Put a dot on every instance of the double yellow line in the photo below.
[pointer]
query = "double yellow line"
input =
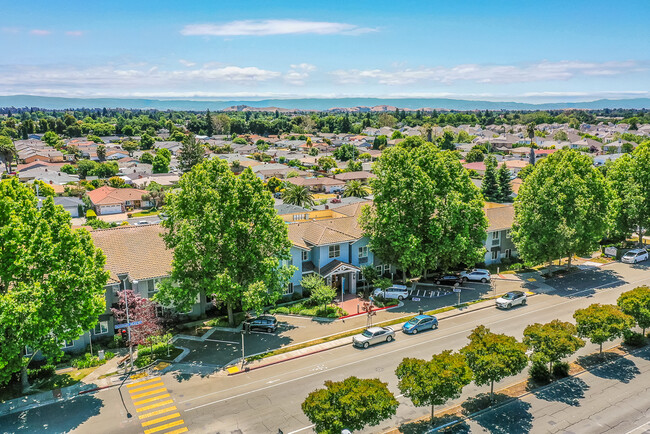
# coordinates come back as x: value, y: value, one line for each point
x: 153, y: 395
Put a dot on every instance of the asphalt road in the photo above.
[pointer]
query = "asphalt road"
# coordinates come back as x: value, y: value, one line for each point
x: 269, y: 399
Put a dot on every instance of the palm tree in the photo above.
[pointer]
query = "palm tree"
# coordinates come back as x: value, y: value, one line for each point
x: 298, y: 195
x: 355, y: 189
x: 7, y: 151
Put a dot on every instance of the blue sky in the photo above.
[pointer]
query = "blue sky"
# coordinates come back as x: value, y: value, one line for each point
x: 491, y: 50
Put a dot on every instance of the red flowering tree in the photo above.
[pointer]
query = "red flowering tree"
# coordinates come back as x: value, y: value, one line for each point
x: 140, y: 309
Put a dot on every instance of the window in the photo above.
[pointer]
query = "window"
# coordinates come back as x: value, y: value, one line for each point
x: 151, y: 287
x: 67, y: 344
x: 305, y: 256
x: 386, y: 268
x: 289, y: 289
x: 495, y: 235
x: 495, y: 254
x: 335, y: 251
x: 363, y: 252
x: 101, y: 327
x: 28, y: 351
x: 508, y: 235
x: 379, y: 268
x: 508, y: 253
x: 297, y: 217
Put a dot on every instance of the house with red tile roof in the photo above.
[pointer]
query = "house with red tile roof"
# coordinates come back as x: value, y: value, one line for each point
x: 109, y: 200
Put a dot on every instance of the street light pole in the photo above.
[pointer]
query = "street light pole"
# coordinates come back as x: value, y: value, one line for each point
x: 243, y: 359
x: 128, y: 327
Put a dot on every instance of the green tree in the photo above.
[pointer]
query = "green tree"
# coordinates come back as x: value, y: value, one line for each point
x: 52, y: 279
x: 130, y: 146
x: 490, y: 185
x: 636, y: 303
x: 116, y: 182
x: 322, y: 295
x: 561, y: 136
x: 43, y: 189
x: 146, y: 142
x: 346, y: 152
x: 629, y: 180
x: 551, y: 342
x: 427, y: 213
x: 355, y: 166
x: 101, y: 152
x: 52, y: 139
x: 433, y: 382
x: 69, y: 169
x: 355, y: 188
x: 313, y: 151
x: 380, y: 142
x: 474, y: 155
x: 161, y: 161
x: 191, y: 153
x: 274, y: 184
x: 298, y: 195
x: 349, y: 404
x: 7, y: 151
x: 446, y: 141
x: 493, y: 357
x: 561, y: 209
x: 601, y: 323
x: 146, y: 158
x: 86, y: 168
x: 227, y: 238
x: 386, y: 120
x: 127, y: 130
x: 397, y: 134
x: 327, y: 163
x: 503, y: 181
x: 527, y: 170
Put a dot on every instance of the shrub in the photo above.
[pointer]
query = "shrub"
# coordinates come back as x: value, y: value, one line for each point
x: 517, y: 266
x: 108, y: 355
x: 539, y: 373
x: 87, y: 361
x: 282, y: 310
x: 90, y: 214
x: 41, y: 372
x: 560, y: 370
x: 634, y: 339
x: 296, y: 296
x: 306, y: 312
x: 129, y: 215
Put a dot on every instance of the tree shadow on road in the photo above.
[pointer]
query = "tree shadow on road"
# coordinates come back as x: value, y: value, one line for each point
x: 584, y: 282
x: 569, y: 391
x: 426, y: 425
x: 620, y: 368
x: 511, y: 417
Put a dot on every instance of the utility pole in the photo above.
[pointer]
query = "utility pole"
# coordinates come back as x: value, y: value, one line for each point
x: 128, y: 327
x: 243, y: 359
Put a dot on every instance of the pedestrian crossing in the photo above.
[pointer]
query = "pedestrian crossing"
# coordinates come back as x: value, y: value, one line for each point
x: 155, y: 407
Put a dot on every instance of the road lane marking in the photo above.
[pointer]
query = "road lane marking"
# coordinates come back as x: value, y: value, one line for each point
x: 637, y: 428
x: 164, y: 427
x: 155, y: 398
x: 301, y: 429
x: 158, y: 404
x: 383, y: 354
x: 150, y: 386
x: 149, y: 393
x: 161, y: 419
x: 177, y: 431
x: 157, y: 412
x: 139, y: 383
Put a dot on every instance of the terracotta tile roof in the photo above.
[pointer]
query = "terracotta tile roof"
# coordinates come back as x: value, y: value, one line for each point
x: 137, y: 250
x: 108, y: 195
x: 500, y: 217
x: 315, y: 181
x: 346, y: 176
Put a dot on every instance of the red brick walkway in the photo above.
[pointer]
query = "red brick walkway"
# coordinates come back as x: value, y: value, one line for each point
x: 350, y: 303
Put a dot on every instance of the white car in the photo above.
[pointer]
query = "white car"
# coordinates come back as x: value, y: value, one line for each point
x: 476, y: 275
x: 506, y: 301
x: 396, y: 291
x: 634, y: 256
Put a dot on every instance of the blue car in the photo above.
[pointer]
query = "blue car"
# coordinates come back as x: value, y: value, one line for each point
x: 420, y: 323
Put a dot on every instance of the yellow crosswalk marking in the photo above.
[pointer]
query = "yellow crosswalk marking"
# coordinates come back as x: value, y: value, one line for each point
x: 150, y: 386
x: 157, y: 412
x: 177, y: 431
x: 149, y: 393
x: 158, y: 404
x: 161, y: 419
x: 163, y: 427
x: 143, y: 382
x: 155, y: 398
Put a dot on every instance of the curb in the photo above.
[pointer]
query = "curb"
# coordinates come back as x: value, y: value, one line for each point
x: 366, y: 313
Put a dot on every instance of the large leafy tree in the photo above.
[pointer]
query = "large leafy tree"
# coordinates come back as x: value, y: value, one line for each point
x: 346, y: 152
x: 601, y: 323
x: 636, y: 303
x: 427, y: 213
x: 493, y: 357
x: 561, y: 208
x: 552, y: 341
x: 7, y: 151
x: 191, y: 153
x: 503, y: 181
x: 433, y: 382
x: 161, y: 161
x: 227, y: 239
x: 298, y: 195
x: 629, y: 179
x: 349, y: 404
x: 51, y: 278
x: 490, y: 185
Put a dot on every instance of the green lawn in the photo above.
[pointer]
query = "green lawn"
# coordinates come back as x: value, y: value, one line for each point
x: 144, y: 213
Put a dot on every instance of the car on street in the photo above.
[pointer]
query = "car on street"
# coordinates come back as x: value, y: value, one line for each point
x: 449, y: 279
x: 635, y: 255
x: 420, y: 323
x: 373, y: 335
x: 476, y: 275
x: 267, y: 323
x: 141, y: 223
x: 513, y: 298
x: 399, y: 292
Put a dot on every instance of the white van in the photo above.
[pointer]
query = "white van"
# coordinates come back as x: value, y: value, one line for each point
x: 396, y: 291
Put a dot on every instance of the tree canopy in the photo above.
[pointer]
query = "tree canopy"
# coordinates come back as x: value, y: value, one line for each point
x: 636, y: 303
x: 601, y: 323
x: 298, y: 195
x: 191, y: 153
x: 227, y: 238
x: 552, y: 341
x: 427, y: 213
x: 490, y: 185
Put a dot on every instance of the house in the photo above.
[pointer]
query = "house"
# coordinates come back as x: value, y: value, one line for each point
x: 319, y: 185
x: 498, y: 244
x: 164, y: 179
x: 479, y: 166
x: 362, y: 176
x: 109, y: 200
x: 73, y: 205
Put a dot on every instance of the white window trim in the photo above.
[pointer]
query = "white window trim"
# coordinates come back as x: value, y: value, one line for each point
x: 306, y: 255
x: 495, y: 235
x: 495, y: 255
x: 65, y: 344
x: 336, y: 248
x: 103, y: 328
x: 364, y: 252
x: 508, y: 235
x: 289, y: 289
x: 507, y: 253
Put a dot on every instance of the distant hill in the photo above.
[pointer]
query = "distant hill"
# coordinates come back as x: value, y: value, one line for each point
x: 321, y: 104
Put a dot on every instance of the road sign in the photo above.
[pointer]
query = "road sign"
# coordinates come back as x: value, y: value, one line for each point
x: 457, y: 289
x: 415, y: 299
x: 134, y: 323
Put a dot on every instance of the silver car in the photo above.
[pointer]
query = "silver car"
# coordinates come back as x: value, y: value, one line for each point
x: 476, y: 275
x: 373, y: 335
x: 513, y: 298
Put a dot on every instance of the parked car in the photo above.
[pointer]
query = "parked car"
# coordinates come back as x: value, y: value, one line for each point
x: 373, y: 335
x: 476, y: 275
x: 635, y: 255
x: 141, y: 223
x: 506, y: 301
x: 449, y: 279
x: 399, y: 292
x: 267, y: 323
x: 420, y: 323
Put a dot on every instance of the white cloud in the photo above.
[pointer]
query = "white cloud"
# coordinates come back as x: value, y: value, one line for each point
x: 75, y: 33
x: 304, y: 67
x: 273, y: 27
x: 299, y: 73
x: 186, y: 63
x: 39, y: 32
x: 493, y: 74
